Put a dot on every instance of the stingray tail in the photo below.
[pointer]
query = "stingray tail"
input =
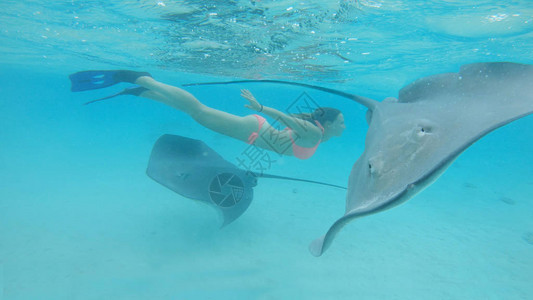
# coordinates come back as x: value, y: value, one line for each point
x: 299, y: 179
x: 369, y: 103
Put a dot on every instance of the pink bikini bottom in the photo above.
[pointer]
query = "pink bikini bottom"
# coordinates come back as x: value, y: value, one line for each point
x: 298, y: 151
x: 253, y: 136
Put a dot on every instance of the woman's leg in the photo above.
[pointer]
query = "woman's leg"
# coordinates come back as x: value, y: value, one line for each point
x: 216, y: 120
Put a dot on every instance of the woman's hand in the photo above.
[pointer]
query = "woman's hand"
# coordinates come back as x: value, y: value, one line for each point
x: 254, y: 104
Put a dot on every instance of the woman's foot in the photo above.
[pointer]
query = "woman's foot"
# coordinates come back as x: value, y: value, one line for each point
x: 129, y: 76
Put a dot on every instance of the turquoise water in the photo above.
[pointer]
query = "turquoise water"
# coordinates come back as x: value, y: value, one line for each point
x: 79, y: 219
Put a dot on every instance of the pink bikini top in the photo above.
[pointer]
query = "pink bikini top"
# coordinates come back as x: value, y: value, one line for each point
x: 303, y: 152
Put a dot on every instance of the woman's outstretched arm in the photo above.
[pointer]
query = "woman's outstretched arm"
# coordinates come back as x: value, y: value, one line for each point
x: 299, y: 126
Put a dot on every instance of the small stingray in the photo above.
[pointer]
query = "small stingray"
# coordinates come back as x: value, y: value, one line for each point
x: 192, y: 169
x: 412, y: 140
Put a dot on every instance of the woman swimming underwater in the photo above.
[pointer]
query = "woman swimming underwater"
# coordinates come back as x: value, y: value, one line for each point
x: 304, y: 131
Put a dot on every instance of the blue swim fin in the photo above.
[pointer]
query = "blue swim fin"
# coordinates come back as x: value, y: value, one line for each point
x: 97, y: 79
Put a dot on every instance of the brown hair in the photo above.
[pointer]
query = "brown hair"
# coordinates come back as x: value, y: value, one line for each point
x: 321, y: 114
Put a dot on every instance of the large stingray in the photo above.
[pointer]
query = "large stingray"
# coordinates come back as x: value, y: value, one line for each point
x: 412, y: 140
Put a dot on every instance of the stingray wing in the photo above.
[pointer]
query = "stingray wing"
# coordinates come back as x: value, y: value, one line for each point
x: 468, y: 105
x: 471, y: 79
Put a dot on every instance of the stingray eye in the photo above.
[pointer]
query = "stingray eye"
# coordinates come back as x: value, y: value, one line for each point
x: 424, y: 129
x: 375, y: 166
x: 371, y: 169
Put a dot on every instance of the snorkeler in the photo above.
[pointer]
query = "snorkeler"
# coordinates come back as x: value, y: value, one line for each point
x: 304, y: 131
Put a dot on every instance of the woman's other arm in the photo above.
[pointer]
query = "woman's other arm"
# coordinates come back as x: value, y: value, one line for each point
x: 301, y: 127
